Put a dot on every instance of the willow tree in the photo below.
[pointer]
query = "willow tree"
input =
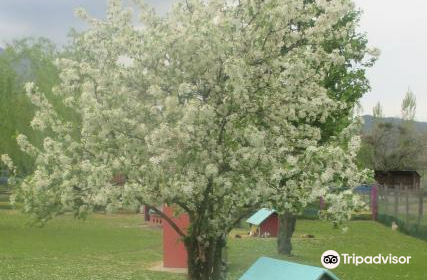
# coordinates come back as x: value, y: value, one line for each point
x: 203, y: 108
x: 28, y: 59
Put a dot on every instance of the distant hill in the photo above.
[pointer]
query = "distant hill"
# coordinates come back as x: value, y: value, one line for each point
x: 369, y: 122
x: 1, y: 50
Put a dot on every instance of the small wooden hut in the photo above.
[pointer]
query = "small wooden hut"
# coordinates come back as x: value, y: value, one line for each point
x: 264, y: 223
x: 174, y: 251
x: 271, y: 269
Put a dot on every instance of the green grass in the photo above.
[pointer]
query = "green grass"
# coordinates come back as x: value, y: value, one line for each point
x: 364, y: 238
x: 4, y: 199
x: 122, y: 247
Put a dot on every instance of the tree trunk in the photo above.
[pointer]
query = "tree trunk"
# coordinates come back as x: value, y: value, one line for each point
x: 286, y: 229
x: 205, y: 258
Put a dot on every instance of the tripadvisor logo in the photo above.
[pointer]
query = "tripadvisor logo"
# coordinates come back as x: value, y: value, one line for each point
x: 331, y: 259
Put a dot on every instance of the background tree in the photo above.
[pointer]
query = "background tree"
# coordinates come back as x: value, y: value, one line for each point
x: 409, y: 106
x: 210, y: 108
x: 22, y: 61
x: 394, y: 145
x: 345, y: 82
x: 423, y: 157
x: 332, y: 176
x: 366, y: 156
x: 377, y: 112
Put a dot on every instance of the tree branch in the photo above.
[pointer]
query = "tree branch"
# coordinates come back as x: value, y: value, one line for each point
x: 167, y: 219
x: 189, y: 6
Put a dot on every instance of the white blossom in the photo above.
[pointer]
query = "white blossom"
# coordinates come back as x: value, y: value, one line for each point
x: 8, y: 162
x: 217, y: 108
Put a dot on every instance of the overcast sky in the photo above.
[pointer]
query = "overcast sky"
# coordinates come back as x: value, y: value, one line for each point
x: 397, y: 27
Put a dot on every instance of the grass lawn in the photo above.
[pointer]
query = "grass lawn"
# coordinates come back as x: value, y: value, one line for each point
x: 122, y: 247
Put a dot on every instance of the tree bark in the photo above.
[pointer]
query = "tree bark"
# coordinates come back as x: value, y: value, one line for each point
x: 205, y: 258
x: 287, y: 224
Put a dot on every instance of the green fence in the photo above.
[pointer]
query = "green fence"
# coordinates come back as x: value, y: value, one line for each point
x: 406, y: 207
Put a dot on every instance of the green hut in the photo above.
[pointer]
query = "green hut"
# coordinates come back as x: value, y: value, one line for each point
x: 271, y: 269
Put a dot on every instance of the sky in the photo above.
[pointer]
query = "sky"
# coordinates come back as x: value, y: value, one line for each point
x: 396, y: 27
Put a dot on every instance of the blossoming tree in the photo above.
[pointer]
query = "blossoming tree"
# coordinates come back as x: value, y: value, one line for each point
x: 345, y: 82
x: 328, y: 171
x: 206, y: 108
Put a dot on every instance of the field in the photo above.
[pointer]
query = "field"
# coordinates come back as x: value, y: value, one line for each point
x: 123, y: 247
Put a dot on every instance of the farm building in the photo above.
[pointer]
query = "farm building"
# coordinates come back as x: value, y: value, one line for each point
x: 398, y: 179
x: 152, y: 217
x: 264, y: 223
x: 174, y: 252
x: 271, y: 269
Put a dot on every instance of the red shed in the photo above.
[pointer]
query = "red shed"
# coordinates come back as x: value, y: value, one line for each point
x: 174, y: 252
x: 264, y: 223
